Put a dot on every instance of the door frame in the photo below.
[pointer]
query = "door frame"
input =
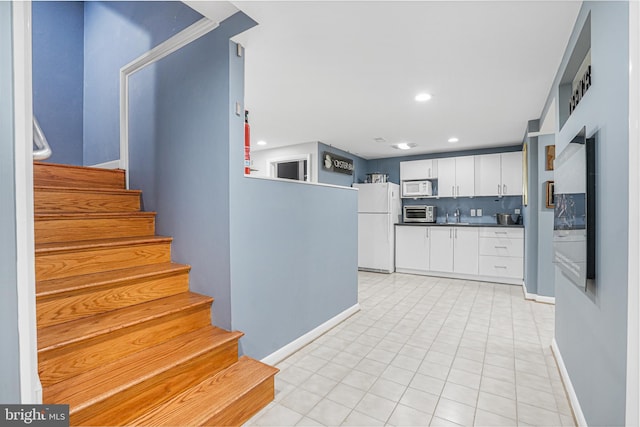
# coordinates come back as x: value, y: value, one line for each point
x: 30, y: 387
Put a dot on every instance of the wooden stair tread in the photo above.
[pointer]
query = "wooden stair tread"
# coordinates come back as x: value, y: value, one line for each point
x: 56, y: 336
x: 46, y: 248
x: 75, y: 284
x: 92, y: 215
x: 93, y: 386
x: 197, y: 405
x: 54, y: 174
x: 98, y: 190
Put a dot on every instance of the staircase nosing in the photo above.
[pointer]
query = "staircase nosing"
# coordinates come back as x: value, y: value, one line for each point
x: 93, y: 215
x: 226, y: 337
x: 73, y: 246
x: 192, y: 305
x: 98, y: 190
x: 162, y: 270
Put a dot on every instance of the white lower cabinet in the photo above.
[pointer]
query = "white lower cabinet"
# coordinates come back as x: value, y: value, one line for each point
x: 465, y: 250
x: 442, y: 249
x: 412, y: 248
x: 482, y: 253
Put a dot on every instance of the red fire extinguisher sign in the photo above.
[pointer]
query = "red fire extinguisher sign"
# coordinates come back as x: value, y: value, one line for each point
x: 247, y: 144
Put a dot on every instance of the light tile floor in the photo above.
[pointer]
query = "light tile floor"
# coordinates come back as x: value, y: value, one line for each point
x: 426, y: 351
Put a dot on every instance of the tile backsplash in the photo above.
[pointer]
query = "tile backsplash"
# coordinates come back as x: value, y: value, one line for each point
x: 489, y: 205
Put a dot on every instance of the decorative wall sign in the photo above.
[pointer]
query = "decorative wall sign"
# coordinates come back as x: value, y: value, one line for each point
x: 334, y: 163
x: 550, y: 199
x: 581, y: 83
x: 550, y: 156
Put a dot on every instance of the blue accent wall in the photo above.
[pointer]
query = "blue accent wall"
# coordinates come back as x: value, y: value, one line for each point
x: 9, y: 350
x: 294, y: 251
x: 546, y: 277
x: 336, y: 178
x: 391, y: 165
x: 591, y: 330
x: 116, y: 33
x: 58, y: 73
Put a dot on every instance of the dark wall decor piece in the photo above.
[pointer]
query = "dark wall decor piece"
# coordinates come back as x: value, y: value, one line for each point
x: 550, y: 198
x: 334, y: 163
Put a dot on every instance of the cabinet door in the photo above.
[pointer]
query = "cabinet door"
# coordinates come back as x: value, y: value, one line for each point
x: 465, y: 250
x: 512, y: 174
x: 412, y: 247
x: 416, y: 169
x: 447, y: 177
x: 487, y: 173
x: 465, y: 176
x: 441, y: 251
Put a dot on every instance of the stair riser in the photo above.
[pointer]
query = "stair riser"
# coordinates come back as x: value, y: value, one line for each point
x: 65, y: 264
x: 70, y: 360
x: 69, y: 230
x: 66, y: 307
x: 51, y: 201
x: 133, y: 402
x: 69, y: 176
x: 245, y: 407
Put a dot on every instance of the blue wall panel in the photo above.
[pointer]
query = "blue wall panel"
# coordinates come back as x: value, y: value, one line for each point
x: 115, y: 34
x: 58, y: 72
x: 591, y: 330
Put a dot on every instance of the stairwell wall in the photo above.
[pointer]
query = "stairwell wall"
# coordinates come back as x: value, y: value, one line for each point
x: 9, y: 350
x: 294, y: 252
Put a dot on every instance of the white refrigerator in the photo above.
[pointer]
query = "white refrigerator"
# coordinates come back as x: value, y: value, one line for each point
x: 379, y: 209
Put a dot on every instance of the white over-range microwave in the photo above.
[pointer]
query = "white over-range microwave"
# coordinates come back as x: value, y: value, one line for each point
x: 420, y: 188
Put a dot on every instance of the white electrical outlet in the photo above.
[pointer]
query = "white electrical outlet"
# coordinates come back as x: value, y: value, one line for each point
x: 517, y: 211
x: 473, y: 212
x: 479, y: 212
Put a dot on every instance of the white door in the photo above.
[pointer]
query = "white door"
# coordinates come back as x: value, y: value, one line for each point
x: 374, y: 242
x: 441, y: 250
x: 412, y: 248
x: 373, y: 198
x: 487, y: 172
x: 447, y: 177
x: 465, y: 250
x: 465, y: 186
x: 512, y: 174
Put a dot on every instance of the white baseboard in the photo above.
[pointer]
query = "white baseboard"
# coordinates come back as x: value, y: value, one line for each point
x: 568, y: 386
x: 295, y: 345
x: 113, y: 164
x: 536, y: 297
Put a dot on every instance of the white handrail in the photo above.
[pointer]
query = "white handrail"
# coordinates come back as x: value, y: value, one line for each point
x: 44, y: 150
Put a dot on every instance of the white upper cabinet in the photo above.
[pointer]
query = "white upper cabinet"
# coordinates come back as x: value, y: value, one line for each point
x: 456, y: 177
x: 512, y: 174
x: 498, y: 174
x: 418, y: 169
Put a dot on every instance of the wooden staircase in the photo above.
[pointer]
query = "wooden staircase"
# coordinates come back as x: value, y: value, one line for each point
x: 120, y: 337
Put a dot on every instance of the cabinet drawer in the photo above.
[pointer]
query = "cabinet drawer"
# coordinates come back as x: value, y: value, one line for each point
x: 503, y: 232
x: 511, y: 267
x: 501, y: 246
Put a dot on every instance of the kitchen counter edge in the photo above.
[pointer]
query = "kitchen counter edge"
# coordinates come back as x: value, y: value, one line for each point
x: 442, y: 224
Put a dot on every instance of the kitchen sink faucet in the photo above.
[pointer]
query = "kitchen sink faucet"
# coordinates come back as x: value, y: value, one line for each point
x: 457, y: 215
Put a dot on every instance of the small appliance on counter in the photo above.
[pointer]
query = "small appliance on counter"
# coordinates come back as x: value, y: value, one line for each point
x: 376, y: 178
x: 415, y: 189
x: 507, y: 219
x: 419, y: 213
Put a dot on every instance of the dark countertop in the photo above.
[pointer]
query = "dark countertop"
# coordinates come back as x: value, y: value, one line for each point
x: 453, y: 224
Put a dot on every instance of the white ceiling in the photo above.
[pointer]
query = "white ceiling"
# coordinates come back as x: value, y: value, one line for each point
x: 344, y: 73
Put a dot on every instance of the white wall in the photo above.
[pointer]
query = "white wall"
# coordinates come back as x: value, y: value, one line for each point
x: 260, y: 159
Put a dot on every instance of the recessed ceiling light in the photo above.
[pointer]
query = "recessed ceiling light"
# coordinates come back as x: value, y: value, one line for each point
x: 404, y: 145
x: 453, y: 140
x: 261, y: 142
x: 423, y: 97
